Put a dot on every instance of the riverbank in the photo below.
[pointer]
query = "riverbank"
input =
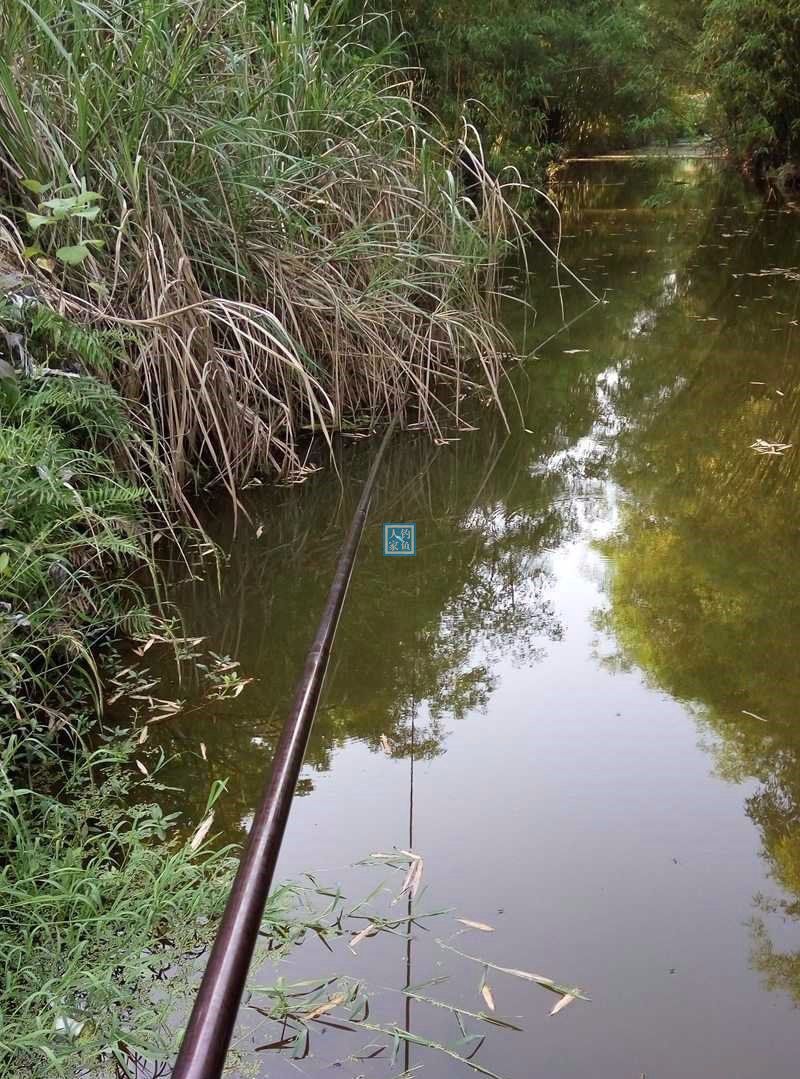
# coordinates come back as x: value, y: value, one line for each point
x: 98, y: 895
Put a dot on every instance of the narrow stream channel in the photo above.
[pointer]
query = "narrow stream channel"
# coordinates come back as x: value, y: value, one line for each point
x: 592, y: 660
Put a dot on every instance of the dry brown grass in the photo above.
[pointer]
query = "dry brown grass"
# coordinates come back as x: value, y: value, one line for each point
x: 284, y: 241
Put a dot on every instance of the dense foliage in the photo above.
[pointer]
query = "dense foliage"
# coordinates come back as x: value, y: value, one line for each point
x: 750, y: 54
x: 100, y: 906
x: 536, y: 76
x: 532, y: 75
x: 99, y: 900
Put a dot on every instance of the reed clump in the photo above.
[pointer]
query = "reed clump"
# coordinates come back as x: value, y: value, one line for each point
x: 259, y: 202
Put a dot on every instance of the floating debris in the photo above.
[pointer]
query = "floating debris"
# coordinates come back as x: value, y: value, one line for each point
x: 484, y: 928
x: 771, y: 449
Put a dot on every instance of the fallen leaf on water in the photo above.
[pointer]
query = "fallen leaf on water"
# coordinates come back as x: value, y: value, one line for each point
x: 539, y: 979
x: 414, y: 875
x: 361, y: 936
x: 259, y: 532
x: 486, y: 993
x: 143, y: 736
x: 574, y: 351
x: 202, y: 831
x: 203, y: 753
x: 334, y: 1002
x: 753, y: 715
x: 476, y: 925
x: 142, y: 768
x: 565, y: 1000
x: 772, y: 449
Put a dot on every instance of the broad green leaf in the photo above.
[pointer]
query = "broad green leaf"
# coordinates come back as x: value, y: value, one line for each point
x: 35, y: 221
x: 71, y: 202
x: 72, y: 256
x: 34, y: 186
x: 60, y: 207
x: 89, y: 214
x: 32, y: 251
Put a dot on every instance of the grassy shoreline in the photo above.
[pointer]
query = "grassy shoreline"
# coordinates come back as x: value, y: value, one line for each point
x: 264, y: 211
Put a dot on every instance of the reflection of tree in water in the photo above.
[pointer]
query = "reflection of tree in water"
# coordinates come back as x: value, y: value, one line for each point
x: 432, y: 626
x: 703, y: 574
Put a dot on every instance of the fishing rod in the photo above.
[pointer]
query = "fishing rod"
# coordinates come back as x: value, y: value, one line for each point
x: 208, y: 1035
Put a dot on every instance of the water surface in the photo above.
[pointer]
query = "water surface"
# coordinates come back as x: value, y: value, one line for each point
x: 589, y: 671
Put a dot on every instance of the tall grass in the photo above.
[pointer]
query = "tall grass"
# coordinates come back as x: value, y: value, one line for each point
x: 281, y: 232
x: 101, y: 909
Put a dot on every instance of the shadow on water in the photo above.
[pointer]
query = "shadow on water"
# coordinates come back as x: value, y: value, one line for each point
x: 619, y: 563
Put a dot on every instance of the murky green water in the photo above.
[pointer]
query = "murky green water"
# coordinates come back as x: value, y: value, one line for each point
x: 604, y: 599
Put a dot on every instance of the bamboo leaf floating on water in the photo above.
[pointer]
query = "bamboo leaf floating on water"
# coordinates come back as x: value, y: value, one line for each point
x: 399, y: 1035
x: 539, y: 979
x: 476, y: 925
x: 202, y: 831
x: 770, y: 449
x: 328, y: 1006
x: 753, y: 715
x: 484, y: 1017
x: 366, y: 932
x: 563, y: 1003
x: 488, y: 996
x: 414, y: 875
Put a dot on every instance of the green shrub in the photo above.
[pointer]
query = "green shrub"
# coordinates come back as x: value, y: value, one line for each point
x: 71, y: 524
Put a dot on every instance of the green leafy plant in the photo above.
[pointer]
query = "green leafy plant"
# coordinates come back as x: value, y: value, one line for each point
x: 58, y: 211
x: 72, y: 527
x: 103, y: 906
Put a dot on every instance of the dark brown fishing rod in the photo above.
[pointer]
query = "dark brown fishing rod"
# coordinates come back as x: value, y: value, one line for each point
x: 208, y: 1035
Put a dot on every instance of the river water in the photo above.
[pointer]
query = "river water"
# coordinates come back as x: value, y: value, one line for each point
x: 579, y: 701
